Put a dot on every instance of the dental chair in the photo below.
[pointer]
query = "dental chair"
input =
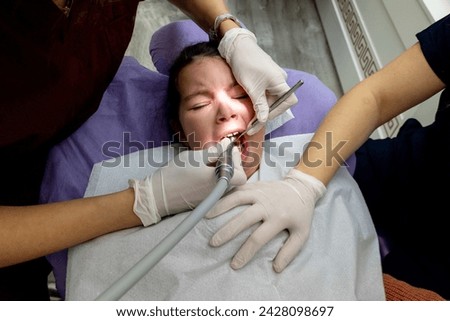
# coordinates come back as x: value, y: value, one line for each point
x: 133, y: 116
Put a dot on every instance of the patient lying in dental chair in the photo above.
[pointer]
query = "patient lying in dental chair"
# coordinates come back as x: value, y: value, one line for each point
x: 340, y: 260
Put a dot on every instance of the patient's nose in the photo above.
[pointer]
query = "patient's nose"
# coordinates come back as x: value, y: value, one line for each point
x: 225, y: 111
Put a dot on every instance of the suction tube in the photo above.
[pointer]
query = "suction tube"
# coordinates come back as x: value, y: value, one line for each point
x: 224, y: 172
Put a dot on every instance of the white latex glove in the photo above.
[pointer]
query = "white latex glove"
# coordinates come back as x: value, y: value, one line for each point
x: 287, y: 204
x: 182, y: 184
x: 256, y: 72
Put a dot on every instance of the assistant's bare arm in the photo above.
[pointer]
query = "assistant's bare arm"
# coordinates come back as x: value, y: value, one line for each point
x: 204, y: 12
x: 402, y: 84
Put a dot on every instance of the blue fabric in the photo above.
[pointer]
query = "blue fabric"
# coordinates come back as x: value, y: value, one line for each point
x: 435, y: 45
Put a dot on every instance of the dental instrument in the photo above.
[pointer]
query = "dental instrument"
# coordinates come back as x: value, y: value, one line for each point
x: 224, y: 172
x: 274, y: 106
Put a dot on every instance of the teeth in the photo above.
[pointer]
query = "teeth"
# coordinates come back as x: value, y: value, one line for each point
x: 232, y: 135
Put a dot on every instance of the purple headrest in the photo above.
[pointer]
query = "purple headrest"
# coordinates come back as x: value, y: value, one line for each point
x: 168, y: 41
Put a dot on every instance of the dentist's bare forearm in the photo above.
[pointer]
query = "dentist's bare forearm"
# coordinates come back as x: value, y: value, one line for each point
x: 401, y: 85
x: 204, y: 12
x: 28, y: 232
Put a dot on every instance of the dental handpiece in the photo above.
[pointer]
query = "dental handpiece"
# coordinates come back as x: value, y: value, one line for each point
x: 225, y: 166
x: 274, y: 106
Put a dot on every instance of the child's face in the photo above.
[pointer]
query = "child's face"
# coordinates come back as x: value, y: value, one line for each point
x: 213, y: 105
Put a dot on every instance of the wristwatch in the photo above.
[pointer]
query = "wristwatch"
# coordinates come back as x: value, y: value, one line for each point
x: 214, y: 31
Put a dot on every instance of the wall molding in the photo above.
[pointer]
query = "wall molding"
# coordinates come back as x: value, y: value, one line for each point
x: 363, y: 51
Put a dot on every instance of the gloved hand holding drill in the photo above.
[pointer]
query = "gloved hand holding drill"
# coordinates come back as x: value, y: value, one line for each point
x: 182, y: 184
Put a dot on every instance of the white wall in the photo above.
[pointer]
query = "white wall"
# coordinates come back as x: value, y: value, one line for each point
x: 365, y: 35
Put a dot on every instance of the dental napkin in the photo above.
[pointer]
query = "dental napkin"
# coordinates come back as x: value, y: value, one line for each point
x: 340, y: 260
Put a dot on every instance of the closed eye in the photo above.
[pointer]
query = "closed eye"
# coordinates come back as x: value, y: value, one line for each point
x: 237, y: 92
x: 198, y: 106
x: 241, y: 97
